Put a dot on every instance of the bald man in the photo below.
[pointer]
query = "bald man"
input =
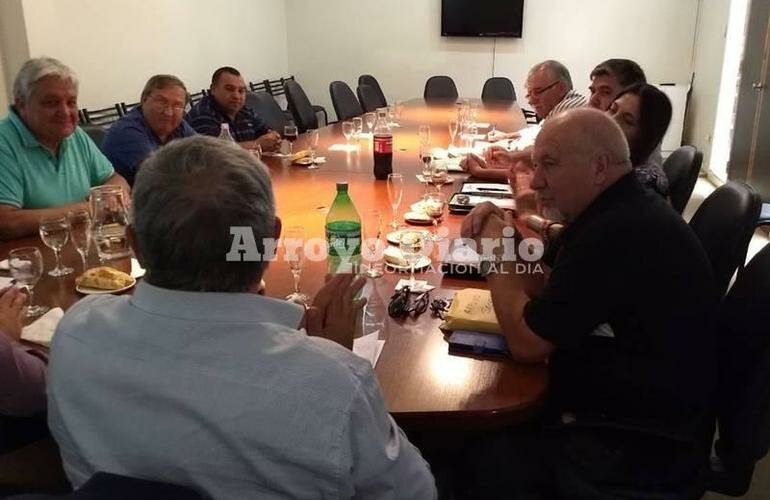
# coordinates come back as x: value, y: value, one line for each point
x: 621, y: 313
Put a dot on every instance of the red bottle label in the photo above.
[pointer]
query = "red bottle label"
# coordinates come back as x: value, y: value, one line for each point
x: 383, y: 144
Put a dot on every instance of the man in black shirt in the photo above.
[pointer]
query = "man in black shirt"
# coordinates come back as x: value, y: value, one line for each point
x: 622, y: 315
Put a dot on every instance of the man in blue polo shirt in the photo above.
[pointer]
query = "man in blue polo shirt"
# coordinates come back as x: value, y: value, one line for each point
x: 226, y: 104
x: 47, y: 163
x: 155, y: 122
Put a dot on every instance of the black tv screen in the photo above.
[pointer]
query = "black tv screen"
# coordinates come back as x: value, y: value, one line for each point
x: 492, y: 18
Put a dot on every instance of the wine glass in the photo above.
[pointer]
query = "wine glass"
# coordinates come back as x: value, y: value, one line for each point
x: 426, y: 159
x: 395, y: 193
x: 26, y: 265
x: 80, y: 232
x: 411, y: 245
x: 372, y: 230
x: 358, y: 126
x: 399, y: 108
x: 347, y: 130
x: 290, y: 133
x: 294, y: 247
x: 452, y: 132
x: 435, y: 206
x: 369, y: 119
x: 312, y: 142
x: 424, y: 132
x: 54, y: 231
x: 439, y: 175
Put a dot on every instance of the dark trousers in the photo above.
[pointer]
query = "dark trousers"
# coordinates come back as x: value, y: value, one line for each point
x: 16, y: 432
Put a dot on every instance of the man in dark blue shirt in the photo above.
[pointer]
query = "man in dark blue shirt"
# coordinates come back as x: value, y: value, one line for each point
x: 156, y: 121
x: 226, y: 104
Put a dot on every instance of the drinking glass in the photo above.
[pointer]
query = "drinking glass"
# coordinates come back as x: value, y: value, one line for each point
x: 426, y: 159
x: 399, y: 109
x: 439, y: 175
x: 452, y: 132
x: 55, y: 231
x: 435, y: 206
x: 26, y: 265
x: 294, y: 246
x: 395, y: 193
x: 372, y: 231
x: 424, y: 132
x: 391, y: 115
x: 290, y: 133
x: 312, y: 142
x: 347, y: 130
x: 358, y: 126
x: 411, y: 246
x: 80, y: 232
x: 110, y: 219
x: 369, y: 119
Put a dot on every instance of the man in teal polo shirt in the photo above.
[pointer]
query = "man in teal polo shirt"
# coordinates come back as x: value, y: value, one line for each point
x: 47, y: 164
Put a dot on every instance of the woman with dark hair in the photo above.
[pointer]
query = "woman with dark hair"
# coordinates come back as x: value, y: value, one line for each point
x: 643, y: 113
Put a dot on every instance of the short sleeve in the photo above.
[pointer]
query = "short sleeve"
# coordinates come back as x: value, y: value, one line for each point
x: 383, y: 463
x: 99, y: 167
x: 11, y: 187
x: 126, y: 148
x: 579, y: 293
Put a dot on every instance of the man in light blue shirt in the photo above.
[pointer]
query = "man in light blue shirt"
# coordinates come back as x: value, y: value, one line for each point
x: 197, y: 380
x: 47, y: 163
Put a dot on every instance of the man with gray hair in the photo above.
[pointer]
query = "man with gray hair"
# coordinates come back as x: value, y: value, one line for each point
x: 549, y: 89
x: 47, y: 163
x: 629, y: 406
x: 198, y: 380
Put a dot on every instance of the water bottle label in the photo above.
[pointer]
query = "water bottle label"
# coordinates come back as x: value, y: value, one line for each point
x: 344, y: 243
x: 383, y: 144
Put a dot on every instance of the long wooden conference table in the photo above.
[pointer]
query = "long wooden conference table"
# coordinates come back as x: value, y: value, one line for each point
x: 424, y: 387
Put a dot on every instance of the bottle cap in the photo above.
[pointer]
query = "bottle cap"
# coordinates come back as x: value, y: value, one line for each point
x: 342, y: 186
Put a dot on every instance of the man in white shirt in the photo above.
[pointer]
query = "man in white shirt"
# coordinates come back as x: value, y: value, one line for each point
x: 199, y: 381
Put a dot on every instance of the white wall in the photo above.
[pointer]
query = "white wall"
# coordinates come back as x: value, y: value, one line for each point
x: 13, y: 47
x: 399, y: 41
x: 116, y: 45
x: 709, y: 48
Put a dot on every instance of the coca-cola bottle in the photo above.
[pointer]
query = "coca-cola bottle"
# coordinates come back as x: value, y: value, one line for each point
x: 383, y: 146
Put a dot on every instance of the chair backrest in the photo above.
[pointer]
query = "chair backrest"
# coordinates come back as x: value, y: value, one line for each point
x: 681, y: 168
x: 498, y: 88
x: 106, y: 486
x: 197, y: 96
x: 345, y: 103
x: 300, y: 107
x: 743, y: 397
x: 104, y: 116
x: 724, y: 223
x: 440, y: 87
x: 368, y: 97
x: 125, y: 108
x: 372, y: 82
x: 258, y: 86
x: 96, y: 133
x: 265, y: 106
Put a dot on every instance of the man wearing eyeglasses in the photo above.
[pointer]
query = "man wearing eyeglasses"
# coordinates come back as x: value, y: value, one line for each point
x: 549, y: 89
x: 155, y: 122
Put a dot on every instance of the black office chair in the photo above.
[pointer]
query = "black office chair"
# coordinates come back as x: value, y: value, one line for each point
x: 368, y: 98
x: 440, y: 88
x: 277, y: 88
x: 498, y: 88
x: 304, y: 115
x: 764, y: 215
x: 266, y: 108
x: 724, y: 223
x: 197, y: 96
x: 106, y: 486
x: 104, y: 116
x: 126, y: 108
x: 96, y: 133
x: 258, y: 86
x: 346, y: 106
x: 743, y: 397
x: 372, y: 82
x: 681, y: 168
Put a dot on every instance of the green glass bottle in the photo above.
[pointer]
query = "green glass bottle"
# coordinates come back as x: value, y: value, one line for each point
x: 343, y: 233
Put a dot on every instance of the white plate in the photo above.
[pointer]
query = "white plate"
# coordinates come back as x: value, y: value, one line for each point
x: 421, y: 264
x: 97, y: 291
x: 394, y: 237
x: 418, y: 218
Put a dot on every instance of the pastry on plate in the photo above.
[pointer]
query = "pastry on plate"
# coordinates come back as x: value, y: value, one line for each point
x: 104, y: 278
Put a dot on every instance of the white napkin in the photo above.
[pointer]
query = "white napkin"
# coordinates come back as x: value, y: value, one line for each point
x: 481, y: 125
x: 369, y: 347
x: 4, y: 282
x: 449, y: 179
x: 419, y: 286
x: 137, y: 271
x: 343, y: 147
x: 41, y: 331
x: 4, y: 265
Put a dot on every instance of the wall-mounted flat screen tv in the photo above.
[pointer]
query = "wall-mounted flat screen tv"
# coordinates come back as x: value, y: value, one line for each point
x: 491, y: 18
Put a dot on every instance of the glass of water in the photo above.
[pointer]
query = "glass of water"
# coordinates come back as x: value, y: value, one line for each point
x: 110, y: 220
x: 80, y: 232
x: 358, y: 126
x: 55, y: 232
x: 348, y: 129
x: 26, y: 265
x: 369, y: 119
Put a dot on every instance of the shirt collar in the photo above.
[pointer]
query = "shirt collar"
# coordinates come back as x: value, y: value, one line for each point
x: 208, y: 307
x: 27, y: 138
x: 216, y: 108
